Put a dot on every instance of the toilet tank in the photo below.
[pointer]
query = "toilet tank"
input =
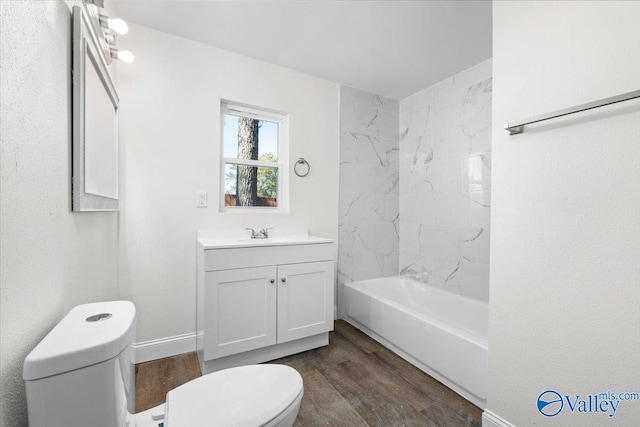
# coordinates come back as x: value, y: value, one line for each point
x: 82, y: 373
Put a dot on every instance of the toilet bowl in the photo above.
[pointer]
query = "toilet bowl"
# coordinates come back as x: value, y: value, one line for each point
x: 82, y: 374
x: 246, y: 396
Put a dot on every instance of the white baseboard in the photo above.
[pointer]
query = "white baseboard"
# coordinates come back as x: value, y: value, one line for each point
x: 170, y: 346
x: 164, y: 347
x: 489, y: 419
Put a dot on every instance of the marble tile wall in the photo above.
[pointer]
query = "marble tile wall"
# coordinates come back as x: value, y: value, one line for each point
x: 369, y: 185
x: 445, y: 183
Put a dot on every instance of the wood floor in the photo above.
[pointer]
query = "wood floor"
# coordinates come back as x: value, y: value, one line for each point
x: 354, y: 381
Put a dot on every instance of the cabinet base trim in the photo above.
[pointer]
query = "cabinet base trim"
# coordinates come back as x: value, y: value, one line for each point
x: 164, y: 347
x: 264, y: 354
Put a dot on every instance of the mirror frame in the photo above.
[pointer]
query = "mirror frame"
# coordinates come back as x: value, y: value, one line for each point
x: 88, y: 46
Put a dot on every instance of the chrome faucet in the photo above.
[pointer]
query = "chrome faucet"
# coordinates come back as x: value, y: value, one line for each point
x: 262, y: 234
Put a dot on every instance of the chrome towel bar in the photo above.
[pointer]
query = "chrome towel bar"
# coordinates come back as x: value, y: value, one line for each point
x: 518, y: 126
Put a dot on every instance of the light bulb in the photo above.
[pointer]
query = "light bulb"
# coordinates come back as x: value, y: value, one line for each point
x: 122, y: 55
x: 118, y: 25
x: 125, y: 56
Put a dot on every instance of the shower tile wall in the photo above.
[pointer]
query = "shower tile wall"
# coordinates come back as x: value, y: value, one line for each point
x: 369, y: 177
x: 445, y: 183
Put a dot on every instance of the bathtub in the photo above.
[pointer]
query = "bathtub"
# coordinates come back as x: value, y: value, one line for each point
x: 442, y: 333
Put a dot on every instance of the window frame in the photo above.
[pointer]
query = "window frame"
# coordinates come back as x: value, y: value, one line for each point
x: 282, y: 120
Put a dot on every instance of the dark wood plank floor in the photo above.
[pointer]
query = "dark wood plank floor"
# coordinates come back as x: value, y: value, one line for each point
x: 354, y: 381
x: 155, y: 379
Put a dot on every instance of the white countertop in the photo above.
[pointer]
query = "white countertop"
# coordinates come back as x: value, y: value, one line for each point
x: 221, y: 239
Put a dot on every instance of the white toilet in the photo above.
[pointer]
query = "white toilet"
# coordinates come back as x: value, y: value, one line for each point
x: 82, y: 374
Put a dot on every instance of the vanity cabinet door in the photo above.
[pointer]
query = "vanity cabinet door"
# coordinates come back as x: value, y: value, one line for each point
x: 305, y: 300
x: 241, y: 310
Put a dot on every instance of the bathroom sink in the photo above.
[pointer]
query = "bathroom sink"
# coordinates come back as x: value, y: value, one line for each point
x: 240, y: 238
x: 278, y: 239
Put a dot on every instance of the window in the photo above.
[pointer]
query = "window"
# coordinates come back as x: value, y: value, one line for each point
x: 254, y: 158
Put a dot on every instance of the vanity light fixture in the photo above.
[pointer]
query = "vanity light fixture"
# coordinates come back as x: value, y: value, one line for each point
x: 104, y: 28
x: 110, y: 38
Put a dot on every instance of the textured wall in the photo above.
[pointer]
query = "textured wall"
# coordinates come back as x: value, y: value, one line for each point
x: 445, y: 183
x: 170, y: 149
x: 368, y: 186
x: 51, y: 259
x: 565, y: 242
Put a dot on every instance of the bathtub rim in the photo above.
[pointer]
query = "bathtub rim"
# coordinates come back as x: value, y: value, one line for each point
x: 471, y: 335
x: 471, y: 300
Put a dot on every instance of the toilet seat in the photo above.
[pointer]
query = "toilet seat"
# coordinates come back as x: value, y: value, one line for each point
x: 246, y: 396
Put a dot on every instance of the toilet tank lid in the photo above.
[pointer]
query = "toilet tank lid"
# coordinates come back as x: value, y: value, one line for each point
x: 89, y: 334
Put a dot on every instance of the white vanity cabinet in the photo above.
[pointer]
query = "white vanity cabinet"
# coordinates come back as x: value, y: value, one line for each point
x: 258, y: 301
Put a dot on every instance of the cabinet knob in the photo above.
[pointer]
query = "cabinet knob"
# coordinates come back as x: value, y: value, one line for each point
x: 272, y: 281
x: 284, y: 279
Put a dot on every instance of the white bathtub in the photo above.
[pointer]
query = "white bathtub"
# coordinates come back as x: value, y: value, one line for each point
x: 442, y: 333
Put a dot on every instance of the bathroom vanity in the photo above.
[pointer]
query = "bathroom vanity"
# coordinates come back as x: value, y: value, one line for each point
x: 261, y: 299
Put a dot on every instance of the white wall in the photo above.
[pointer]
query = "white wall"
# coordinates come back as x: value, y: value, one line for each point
x: 445, y: 183
x: 368, y: 187
x: 51, y: 259
x: 565, y: 254
x: 170, y: 127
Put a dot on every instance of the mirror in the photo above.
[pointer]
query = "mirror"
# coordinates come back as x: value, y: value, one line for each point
x: 95, y: 122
